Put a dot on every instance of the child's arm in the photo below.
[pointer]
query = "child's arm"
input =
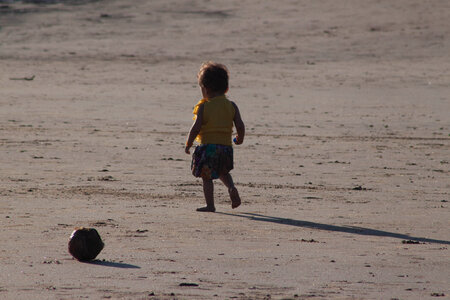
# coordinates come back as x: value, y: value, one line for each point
x: 195, y: 129
x: 239, y: 124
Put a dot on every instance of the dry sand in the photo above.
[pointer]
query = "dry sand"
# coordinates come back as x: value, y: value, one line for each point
x: 344, y: 173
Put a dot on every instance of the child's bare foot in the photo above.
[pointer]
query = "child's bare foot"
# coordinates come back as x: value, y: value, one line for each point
x: 207, y: 209
x: 235, y: 199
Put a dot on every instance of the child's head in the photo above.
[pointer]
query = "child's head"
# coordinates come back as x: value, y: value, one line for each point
x: 213, y: 77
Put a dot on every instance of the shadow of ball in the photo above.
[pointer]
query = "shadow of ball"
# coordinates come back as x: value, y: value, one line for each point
x: 85, y: 244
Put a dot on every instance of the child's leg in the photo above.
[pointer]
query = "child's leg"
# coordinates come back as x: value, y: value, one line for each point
x: 232, y: 190
x: 208, y: 191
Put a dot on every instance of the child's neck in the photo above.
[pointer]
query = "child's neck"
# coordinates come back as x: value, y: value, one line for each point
x: 209, y: 94
x: 212, y: 95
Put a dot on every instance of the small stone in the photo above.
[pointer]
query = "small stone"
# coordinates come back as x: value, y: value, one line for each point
x: 188, y: 284
x: 437, y: 295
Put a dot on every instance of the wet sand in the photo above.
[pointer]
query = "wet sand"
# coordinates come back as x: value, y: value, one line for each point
x: 344, y: 173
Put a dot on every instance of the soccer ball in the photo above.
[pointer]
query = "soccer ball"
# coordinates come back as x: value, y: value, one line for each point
x: 85, y: 244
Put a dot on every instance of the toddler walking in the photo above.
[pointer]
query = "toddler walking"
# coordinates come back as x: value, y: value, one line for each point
x: 212, y: 129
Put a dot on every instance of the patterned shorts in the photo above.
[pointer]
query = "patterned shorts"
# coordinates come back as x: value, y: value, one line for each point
x: 210, y: 161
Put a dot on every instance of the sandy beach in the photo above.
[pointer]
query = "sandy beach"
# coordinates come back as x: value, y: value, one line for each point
x: 344, y: 172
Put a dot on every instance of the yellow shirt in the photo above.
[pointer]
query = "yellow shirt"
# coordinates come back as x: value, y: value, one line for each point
x: 217, y: 125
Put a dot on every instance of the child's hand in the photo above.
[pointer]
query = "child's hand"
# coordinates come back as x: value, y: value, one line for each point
x: 187, y: 149
x: 237, y: 140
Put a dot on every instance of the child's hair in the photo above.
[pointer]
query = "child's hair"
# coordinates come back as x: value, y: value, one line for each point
x: 213, y: 76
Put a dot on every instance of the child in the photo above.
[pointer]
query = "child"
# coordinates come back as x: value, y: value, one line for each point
x: 212, y: 128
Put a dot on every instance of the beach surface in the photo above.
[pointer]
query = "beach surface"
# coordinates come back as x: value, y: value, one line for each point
x: 344, y: 172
